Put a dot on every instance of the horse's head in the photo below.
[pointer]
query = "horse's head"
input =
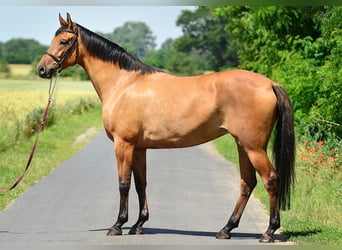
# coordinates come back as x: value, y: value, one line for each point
x: 63, y: 51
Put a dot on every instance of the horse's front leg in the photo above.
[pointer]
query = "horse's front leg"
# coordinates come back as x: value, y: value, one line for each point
x: 124, y: 156
x: 139, y: 172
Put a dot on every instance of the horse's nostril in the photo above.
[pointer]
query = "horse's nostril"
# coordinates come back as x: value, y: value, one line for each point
x: 41, y: 70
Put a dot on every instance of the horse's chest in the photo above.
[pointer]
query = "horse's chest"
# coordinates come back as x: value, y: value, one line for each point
x: 120, y: 119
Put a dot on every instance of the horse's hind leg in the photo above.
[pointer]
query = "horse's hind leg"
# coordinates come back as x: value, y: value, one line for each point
x: 247, y: 184
x: 269, y: 177
x: 139, y: 172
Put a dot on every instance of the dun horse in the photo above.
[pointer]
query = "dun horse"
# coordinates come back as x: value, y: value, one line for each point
x: 144, y: 107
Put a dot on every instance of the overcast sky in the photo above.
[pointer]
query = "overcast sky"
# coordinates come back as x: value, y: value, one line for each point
x: 41, y: 22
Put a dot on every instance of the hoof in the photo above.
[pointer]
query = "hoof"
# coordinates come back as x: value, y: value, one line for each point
x: 114, y: 231
x: 136, y: 230
x: 223, y: 235
x: 266, y: 238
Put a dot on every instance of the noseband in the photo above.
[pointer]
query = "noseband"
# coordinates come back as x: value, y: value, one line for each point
x: 72, y: 45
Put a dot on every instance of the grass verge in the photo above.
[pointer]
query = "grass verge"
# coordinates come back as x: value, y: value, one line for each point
x: 56, y: 144
x: 315, y: 216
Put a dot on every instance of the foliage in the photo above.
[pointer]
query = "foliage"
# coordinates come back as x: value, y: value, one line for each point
x: 4, y: 68
x: 33, y: 120
x: 317, y: 200
x: 21, y: 51
x: 136, y: 37
x: 260, y: 32
x: 177, y: 62
x: 161, y: 57
x: 186, y: 64
x: 316, y: 156
x: 76, y: 73
x: 204, y: 32
x: 80, y: 106
x: 9, y: 130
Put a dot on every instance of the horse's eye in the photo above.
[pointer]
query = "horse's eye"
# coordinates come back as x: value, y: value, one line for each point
x: 63, y: 42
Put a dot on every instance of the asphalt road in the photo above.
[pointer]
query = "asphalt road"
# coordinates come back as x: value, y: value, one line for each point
x: 191, y: 193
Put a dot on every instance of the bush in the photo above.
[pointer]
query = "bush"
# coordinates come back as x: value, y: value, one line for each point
x: 4, y: 68
x: 33, y: 120
x: 80, y: 106
x: 317, y: 156
x: 9, y: 131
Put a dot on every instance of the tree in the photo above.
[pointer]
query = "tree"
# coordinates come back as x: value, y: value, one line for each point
x: 4, y: 68
x: 204, y: 33
x: 22, y: 51
x: 136, y: 37
x: 161, y: 57
x: 177, y: 62
x: 259, y: 33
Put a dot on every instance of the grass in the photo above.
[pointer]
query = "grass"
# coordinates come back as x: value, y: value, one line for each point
x: 22, y: 96
x: 20, y: 69
x: 56, y: 143
x: 315, y: 216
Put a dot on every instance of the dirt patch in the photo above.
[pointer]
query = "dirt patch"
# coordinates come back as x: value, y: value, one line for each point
x: 86, y: 136
x: 210, y: 148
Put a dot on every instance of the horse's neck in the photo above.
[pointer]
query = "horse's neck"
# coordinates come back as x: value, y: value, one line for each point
x: 103, y: 75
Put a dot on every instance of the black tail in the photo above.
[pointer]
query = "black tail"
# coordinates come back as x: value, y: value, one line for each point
x: 284, y: 148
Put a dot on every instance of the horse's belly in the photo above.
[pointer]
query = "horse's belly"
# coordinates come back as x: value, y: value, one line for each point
x: 172, y: 136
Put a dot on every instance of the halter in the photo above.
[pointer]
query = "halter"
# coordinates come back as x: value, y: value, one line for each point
x: 73, y: 45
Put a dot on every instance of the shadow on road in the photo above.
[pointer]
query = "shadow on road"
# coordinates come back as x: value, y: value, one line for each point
x: 151, y: 231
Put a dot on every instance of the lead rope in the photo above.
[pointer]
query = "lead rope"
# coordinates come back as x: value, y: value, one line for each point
x: 52, y: 89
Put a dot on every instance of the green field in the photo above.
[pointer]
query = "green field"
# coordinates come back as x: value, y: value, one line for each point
x: 75, y: 110
x: 22, y: 96
x: 20, y: 69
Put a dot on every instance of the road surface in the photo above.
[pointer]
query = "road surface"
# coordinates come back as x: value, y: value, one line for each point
x: 191, y: 193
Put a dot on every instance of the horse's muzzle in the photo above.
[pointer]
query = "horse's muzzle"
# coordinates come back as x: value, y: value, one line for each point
x: 46, y: 72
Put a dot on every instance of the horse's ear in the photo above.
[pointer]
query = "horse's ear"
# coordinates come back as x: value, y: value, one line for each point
x: 68, y: 18
x: 71, y: 25
x: 62, y: 21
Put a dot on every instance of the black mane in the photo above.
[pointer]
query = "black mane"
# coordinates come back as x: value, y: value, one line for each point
x: 111, y: 52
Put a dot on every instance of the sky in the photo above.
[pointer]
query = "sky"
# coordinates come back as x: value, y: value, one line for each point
x: 41, y: 22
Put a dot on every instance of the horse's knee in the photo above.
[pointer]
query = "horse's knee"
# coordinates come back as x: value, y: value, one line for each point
x: 271, y: 183
x: 247, y: 188
x: 124, y: 187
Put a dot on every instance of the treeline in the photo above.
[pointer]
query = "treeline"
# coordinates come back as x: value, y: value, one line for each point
x: 21, y: 51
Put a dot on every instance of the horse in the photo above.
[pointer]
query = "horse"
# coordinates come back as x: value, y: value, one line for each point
x: 146, y: 108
